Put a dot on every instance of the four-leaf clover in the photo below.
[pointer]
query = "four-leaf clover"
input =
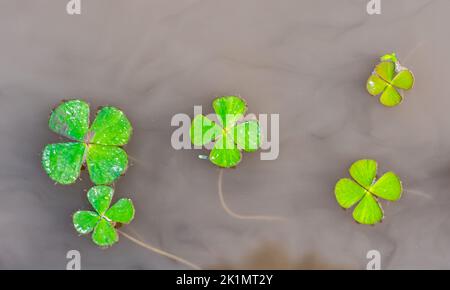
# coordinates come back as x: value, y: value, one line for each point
x: 365, y: 190
x: 387, y: 76
x: 232, y: 137
x: 103, y: 220
x: 98, y: 146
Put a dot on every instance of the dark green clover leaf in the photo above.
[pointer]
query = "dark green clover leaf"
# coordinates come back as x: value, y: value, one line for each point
x: 387, y: 77
x: 365, y: 189
x: 103, y: 220
x: 230, y: 136
x: 98, y: 146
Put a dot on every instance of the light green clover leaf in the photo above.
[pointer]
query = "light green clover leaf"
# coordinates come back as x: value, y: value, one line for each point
x: 365, y: 189
x: 98, y: 146
x: 230, y: 137
x: 387, y: 77
x: 103, y: 220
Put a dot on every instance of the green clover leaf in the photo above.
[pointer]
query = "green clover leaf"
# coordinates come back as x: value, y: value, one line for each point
x: 230, y: 137
x: 366, y: 190
x: 103, y: 220
x: 387, y: 77
x: 98, y: 146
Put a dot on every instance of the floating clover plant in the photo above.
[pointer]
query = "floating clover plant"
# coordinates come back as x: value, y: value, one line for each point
x: 98, y: 146
x: 387, y: 77
x: 231, y: 137
x: 103, y: 220
x: 365, y: 190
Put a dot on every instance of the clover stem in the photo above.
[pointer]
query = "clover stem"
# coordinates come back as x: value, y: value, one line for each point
x: 134, y: 233
x: 135, y: 160
x: 239, y: 216
x: 412, y: 51
x: 132, y: 158
x: 418, y: 193
x: 159, y: 251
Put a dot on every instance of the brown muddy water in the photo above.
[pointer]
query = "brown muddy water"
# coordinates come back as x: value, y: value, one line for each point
x: 307, y: 60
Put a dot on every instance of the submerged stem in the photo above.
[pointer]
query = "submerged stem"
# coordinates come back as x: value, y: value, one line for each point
x: 134, y: 233
x: 239, y: 216
x: 159, y: 251
x: 419, y: 193
x: 134, y: 160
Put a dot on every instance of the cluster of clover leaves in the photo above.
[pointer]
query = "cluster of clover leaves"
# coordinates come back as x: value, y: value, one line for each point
x: 364, y: 190
x: 99, y: 148
x: 233, y: 133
